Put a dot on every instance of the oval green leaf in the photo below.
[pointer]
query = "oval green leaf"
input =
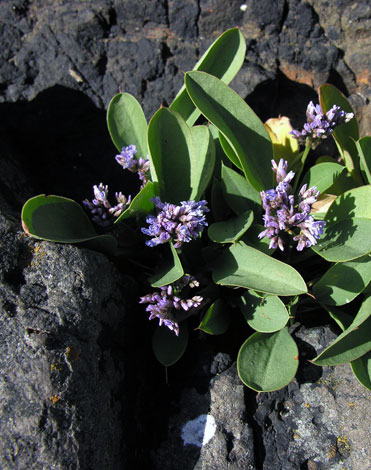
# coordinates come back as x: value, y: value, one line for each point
x: 251, y: 238
x: 167, y: 347
x: 182, y: 158
x: 346, y: 240
x: 127, y: 124
x: 217, y: 319
x: 345, y: 134
x: 223, y: 59
x: 323, y: 175
x: 243, y: 266
x: 169, y: 142
x: 202, y: 160
x: 59, y: 219
x: 362, y: 369
x: 238, y: 123
x: 238, y: 192
x: 169, y: 271
x: 352, y: 203
x: 141, y: 204
x: 268, y: 361
x: 344, y: 281
x: 266, y: 315
x: 228, y: 150
x: 353, y: 343
x: 364, y: 149
x: 230, y: 231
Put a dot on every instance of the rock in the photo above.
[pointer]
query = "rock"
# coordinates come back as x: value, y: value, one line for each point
x: 316, y: 424
x: 209, y: 431
x: 59, y: 384
x: 99, y: 47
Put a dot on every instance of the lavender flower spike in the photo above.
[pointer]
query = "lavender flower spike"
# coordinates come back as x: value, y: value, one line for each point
x: 178, y: 223
x: 283, y: 215
x: 128, y: 162
x: 319, y: 125
x: 101, y: 211
x: 164, y: 304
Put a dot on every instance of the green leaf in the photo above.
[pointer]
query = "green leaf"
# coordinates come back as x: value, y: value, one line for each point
x: 364, y: 149
x: 182, y: 158
x: 323, y: 175
x: 170, y: 270
x: 127, y: 124
x: 353, y: 343
x: 167, y: 347
x: 62, y: 220
x: 346, y: 240
x: 217, y: 319
x: 238, y: 192
x: 228, y: 150
x: 237, y: 122
x: 268, y: 361
x: 230, y: 231
x: 344, y: 281
x: 346, y: 134
x: 243, y: 266
x: 251, y: 239
x: 202, y: 160
x: 342, y: 319
x: 223, y: 59
x: 362, y: 369
x: 141, y: 204
x: 169, y: 142
x: 219, y: 207
x: 352, y: 203
x: 267, y: 314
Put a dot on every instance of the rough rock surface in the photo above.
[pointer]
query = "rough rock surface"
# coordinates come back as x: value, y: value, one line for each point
x: 317, y: 422
x: 100, y: 46
x: 60, y: 406
x: 231, y: 443
x: 58, y: 382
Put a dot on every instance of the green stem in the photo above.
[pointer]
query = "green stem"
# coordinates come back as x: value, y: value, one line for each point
x: 303, y: 158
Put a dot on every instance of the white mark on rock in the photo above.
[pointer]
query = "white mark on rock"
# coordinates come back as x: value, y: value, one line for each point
x: 199, y: 431
x: 243, y: 7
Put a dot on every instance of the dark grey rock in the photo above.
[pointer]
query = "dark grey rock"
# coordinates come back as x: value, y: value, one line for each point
x: 99, y: 47
x: 60, y: 406
x: 209, y: 431
x: 316, y: 425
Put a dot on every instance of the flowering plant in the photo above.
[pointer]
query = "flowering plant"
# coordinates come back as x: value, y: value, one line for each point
x: 222, y: 234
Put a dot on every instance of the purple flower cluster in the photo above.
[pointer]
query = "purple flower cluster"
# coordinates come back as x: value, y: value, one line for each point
x: 178, y: 223
x: 282, y: 214
x: 319, y: 125
x: 102, y: 212
x: 128, y: 162
x: 163, y: 304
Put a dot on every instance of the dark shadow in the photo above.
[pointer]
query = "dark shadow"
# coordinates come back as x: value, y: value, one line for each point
x: 349, y: 281
x: 285, y: 97
x: 59, y: 144
x: 307, y: 372
x: 338, y: 231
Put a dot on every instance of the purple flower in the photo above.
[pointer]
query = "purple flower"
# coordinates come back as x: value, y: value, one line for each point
x: 128, y: 162
x: 178, y: 223
x: 319, y: 125
x: 101, y: 211
x: 282, y: 214
x: 163, y: 304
